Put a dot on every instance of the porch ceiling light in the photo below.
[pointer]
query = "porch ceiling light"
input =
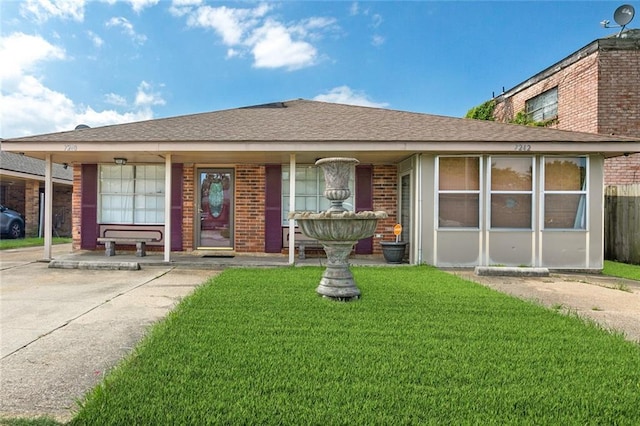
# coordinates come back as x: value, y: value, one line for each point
x: 120, y: 161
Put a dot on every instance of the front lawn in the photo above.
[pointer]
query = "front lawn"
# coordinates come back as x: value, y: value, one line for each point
x: 621, y: 270
x: 258, y: 346
x: 29, y: 242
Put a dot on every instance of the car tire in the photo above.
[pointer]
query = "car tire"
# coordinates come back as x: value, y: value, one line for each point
x: 16, y: 230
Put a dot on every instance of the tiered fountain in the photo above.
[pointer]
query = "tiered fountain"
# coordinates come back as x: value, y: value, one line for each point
x: 337, y: 229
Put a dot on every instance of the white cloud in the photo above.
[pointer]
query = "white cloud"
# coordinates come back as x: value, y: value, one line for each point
x: 274, y: 48
x: 127, y: 29
x: 182, y: 7
x: 19, y: 53
x: 139, y: 5
x: 231, y: 24
x: 376, y: 20
x: 95, y: 39
x: 146, y: 96
x: 34, y: 108
x: 272, y: 43
x: 354, y: 9
x: 28, y: 106
x: 42, y: 10
x: 345, y: 95
x: 115, y: 99
x: 377, y: 40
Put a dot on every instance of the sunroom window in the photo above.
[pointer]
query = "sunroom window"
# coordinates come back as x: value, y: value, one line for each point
x: 131, y: 194
x: 565, y: 192
x: 511, y: 192
x: 458, y: 192
x: 309, y: 191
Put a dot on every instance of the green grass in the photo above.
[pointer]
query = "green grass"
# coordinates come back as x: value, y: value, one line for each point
x: 621, y: 270
x: 29, y: 242
x: 420, y: 347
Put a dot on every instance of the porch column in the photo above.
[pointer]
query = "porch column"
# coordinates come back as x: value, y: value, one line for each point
x: 48, y: 206
x: 167, y: 208
x: 292, y: 207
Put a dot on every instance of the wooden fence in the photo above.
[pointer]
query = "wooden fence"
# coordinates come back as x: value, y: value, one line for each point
x: 622, y: 223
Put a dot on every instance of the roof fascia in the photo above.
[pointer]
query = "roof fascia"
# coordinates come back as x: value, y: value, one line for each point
x: 576, y: 56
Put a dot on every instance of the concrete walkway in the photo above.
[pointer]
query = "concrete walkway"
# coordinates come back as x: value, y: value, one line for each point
x: 63, y: 329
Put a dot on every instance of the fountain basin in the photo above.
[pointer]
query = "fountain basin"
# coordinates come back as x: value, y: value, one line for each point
x: 338, y: 226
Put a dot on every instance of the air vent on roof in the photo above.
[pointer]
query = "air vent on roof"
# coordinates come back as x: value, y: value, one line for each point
x: 271, y: 105
x: 82, y: 126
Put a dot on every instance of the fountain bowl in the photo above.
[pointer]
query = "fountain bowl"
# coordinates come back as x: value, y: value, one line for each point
x: 338, y: 226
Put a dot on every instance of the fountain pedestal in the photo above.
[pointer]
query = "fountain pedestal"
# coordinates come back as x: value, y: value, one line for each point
x: 337, y: 230
x: 337, y: 280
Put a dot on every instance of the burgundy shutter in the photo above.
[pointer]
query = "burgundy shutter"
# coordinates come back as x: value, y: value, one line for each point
x: 176, y: 206
x: 364, y: 202
x: 89, y: 207
x: 272, y: 209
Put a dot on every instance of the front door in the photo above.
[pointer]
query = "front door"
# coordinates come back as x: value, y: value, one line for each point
x: 215, y: 195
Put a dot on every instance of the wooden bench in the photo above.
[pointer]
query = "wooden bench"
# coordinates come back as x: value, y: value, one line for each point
x: 110, y: 244
x: 302, y: 242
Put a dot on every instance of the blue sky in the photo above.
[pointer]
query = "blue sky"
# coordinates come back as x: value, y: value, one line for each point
x: 104, y: 62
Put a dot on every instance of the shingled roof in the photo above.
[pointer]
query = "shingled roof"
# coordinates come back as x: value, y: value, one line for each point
x: 303, y: 120
x: 12, y: 162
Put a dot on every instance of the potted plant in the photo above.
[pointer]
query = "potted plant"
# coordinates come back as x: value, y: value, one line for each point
x: 393, y: 251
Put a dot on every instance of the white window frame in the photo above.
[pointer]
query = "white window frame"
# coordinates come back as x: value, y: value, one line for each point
x: 491, y: 192
x: 583, y: 193
x: 321, y: 202
x: 139, y: 199
x: 477, y: 192
x: 543, y: 106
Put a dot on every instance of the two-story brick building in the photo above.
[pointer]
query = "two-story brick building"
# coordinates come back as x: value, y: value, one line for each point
x: 595, y: 89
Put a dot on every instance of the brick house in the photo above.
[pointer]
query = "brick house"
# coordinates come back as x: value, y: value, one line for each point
x: 467, y: 192
x: 595, y: 89
x: 22, y: 182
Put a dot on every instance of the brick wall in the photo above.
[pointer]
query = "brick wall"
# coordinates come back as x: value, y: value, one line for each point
x: 13, y: 194
x: 31, y: 207
x: 249, y: 209
x: 385, y: 198
x: 622, y: 170
x: 619, y: 109
x: 619, y: 93
x: 597, y: 94
x: 188, y: 206
x: 76, y: 215
x: 577, y: 96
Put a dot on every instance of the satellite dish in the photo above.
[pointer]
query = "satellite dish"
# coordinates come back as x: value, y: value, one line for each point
x: 624, y: 14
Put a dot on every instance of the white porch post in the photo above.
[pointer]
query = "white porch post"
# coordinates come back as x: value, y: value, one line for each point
x: 292, y: 207
x: 167, y: 208
x: 48, y: 206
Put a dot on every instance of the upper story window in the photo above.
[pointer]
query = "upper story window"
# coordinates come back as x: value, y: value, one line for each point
x: 458, y: 192
x: 544, y: 106
x: 309, y: 190
x: 131, y: 194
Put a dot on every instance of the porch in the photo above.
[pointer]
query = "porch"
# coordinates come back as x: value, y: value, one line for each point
x: 202, y: 259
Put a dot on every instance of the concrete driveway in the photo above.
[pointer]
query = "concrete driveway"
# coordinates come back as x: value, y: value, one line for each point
x: 62, y: 330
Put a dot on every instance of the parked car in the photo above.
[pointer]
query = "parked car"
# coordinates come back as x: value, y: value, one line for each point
x: 11, y: 223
